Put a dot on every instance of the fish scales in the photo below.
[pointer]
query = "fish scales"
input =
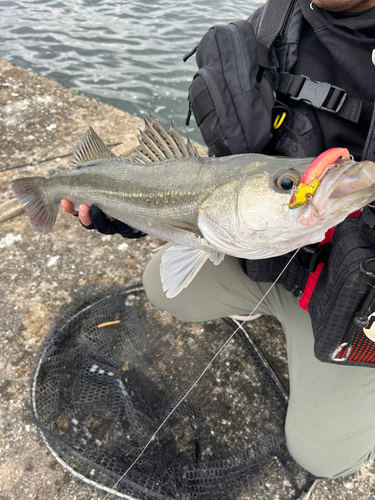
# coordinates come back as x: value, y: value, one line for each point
x: 137, y: 194
x: 239, y: 205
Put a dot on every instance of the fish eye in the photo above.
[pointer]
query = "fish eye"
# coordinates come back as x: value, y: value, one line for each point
x: 287, y: 180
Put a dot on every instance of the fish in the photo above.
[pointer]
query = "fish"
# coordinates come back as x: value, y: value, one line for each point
x: 241, y: 205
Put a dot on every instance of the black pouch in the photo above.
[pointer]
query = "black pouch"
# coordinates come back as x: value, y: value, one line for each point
x: 343, y: 300
x: 231, y: 107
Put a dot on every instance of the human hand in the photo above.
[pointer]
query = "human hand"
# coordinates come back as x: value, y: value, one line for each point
x: 94, y: 218
x: 83, y: 213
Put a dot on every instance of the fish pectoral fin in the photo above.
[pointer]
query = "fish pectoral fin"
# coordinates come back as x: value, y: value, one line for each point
x: 179, y: 265
x: 216, y: 258
x: 89, y: 147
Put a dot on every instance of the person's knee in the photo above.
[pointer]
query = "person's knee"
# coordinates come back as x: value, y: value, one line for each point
x: 324, y: 457
x: 154, y: 291
x: 319, y: 465
x: 152, y: 284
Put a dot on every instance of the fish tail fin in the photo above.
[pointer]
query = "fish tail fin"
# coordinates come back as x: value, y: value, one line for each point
x: 41, y: 210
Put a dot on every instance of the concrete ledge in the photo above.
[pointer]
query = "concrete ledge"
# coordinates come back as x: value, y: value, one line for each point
x: 40, y: 122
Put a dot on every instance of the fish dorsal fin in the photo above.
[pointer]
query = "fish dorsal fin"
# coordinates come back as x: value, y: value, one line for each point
x: 180, y: 264
x: 89, y: 147
x: 176, y: 136
x: 156, y: 144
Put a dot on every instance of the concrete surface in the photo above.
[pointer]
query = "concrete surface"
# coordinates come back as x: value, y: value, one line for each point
x: 40, y: 122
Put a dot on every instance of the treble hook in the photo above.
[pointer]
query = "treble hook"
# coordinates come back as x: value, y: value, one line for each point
x: 315, y: 210
x: 334, y: 166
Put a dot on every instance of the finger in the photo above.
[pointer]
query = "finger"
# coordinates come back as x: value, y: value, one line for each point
x: 84, y: 215
x: 68, y: 207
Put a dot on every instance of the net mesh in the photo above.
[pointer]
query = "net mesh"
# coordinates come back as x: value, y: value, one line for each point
x: 112, y: 369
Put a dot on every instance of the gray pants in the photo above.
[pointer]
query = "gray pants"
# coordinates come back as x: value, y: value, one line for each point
x: 330, y: 423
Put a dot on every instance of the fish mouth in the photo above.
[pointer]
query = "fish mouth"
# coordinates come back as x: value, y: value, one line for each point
x: 345, y: 185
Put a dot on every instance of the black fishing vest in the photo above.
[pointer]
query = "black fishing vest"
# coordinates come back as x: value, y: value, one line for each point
x: 286, y: 83
x: 296, y: 81
x: 326, y: 103
x: 336, y: 113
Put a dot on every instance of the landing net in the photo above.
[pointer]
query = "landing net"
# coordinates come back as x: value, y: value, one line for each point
x: 111, y: 370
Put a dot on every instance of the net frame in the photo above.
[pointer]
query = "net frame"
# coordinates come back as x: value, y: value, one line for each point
x: 65, y: 452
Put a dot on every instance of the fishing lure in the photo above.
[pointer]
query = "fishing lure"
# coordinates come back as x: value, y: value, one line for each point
x: 312, y: 177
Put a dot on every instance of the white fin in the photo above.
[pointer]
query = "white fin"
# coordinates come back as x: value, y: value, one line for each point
x: 156, y: 144
x: 89, y: 147
x: 216, y: 258
x: 179, y: 265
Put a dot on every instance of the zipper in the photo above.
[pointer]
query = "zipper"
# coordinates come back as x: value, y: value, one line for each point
x: 348, y: 271
x: 343, y: 277
x: 335, y: 250
x: 344, y: 345
x: 242, y: 56
x: 187, y: 119
x: 190, y: 53
x: 185, y: 58
x: 215, y: 92
x: 348, y: 338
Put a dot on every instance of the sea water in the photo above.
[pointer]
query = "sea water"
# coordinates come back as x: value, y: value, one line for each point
x: 124, y: 53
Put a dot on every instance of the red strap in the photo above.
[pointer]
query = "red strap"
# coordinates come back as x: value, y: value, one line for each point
x: 313, y: 277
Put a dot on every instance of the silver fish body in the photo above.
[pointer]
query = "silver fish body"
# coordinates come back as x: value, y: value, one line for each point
x: 208, y: 206
x: 163, y: 199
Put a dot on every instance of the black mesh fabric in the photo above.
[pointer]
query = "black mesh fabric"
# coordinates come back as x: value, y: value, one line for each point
x: 340, y: 289
x: 99, y: 393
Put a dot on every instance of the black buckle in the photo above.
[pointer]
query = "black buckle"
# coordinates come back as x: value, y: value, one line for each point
x: 316, y: 93
x: 308, y: 259
x: 313, y: 256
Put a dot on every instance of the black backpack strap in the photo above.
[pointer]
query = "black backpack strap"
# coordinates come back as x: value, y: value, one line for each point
x: 320, y: 95
x: 369, y: 149
x: 273, y: 20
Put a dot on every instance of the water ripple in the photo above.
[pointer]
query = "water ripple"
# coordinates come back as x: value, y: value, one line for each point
x: 128, y: 54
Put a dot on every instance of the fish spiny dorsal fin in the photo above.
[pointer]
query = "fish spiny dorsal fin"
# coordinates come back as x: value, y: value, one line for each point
x: 139, y: 157
x: 150, y: 141
x: 191, y: 148
x: 156, y: 144
x: 173, y: 148
x: 154, y: 136
x: 145, y: 150
x: 89, y: 147
x: 176, y: 136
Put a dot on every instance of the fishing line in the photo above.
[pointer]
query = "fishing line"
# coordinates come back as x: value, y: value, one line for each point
x: 39, y: 162
x: 199, y: 378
